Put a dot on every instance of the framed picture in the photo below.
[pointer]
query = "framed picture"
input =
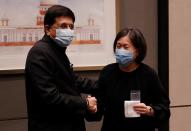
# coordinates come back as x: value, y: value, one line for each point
x: 21, y: 25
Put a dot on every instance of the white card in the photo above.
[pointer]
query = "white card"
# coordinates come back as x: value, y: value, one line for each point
x: 128, y: 109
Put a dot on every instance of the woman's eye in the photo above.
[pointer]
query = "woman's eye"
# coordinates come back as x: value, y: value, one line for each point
x: 126, y: 47
x: 118, y: 46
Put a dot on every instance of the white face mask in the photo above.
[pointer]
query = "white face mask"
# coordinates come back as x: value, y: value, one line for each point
x: 64, y: 37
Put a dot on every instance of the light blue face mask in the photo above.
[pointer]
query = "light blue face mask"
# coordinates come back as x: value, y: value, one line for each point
x: 64, y: 37
x: 123, y: 57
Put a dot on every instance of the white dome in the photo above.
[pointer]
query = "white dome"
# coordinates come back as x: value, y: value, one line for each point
x: 49, y: 2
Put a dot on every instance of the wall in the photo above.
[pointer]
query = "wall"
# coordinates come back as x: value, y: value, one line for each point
x: 180, y: 64
x: 142, y: 14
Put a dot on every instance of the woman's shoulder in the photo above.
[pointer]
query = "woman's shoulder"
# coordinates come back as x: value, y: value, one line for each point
x: 147, y: 70
x: 110, y: 68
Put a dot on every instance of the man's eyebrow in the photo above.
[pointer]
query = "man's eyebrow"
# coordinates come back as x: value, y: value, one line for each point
x: 67, y: 23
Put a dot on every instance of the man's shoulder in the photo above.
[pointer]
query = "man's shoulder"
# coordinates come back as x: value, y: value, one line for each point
x: 40, y: 46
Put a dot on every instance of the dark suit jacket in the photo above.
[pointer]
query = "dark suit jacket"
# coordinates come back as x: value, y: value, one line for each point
x: 53, y: 90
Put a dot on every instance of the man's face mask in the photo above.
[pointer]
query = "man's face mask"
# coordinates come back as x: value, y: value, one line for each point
x: 64, y: 37
x: 124, y: 57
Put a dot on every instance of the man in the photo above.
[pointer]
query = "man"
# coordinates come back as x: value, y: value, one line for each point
x: 52, y: 89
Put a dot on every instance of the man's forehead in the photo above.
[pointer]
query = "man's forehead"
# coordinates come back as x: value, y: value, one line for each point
x: 63, y: 19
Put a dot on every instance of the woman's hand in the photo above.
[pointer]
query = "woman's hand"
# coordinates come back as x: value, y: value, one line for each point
x: 141, y: 108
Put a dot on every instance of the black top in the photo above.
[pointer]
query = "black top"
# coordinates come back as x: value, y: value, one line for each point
x: 115, y: 86
x: 53, y: 90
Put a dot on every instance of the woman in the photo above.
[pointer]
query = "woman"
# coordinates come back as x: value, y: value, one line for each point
x: 129, y: 73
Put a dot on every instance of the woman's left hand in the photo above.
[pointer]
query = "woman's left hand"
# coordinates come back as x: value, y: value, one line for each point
x: 141, y: 108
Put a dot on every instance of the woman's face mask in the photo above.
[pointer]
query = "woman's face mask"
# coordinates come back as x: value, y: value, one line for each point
x: 64, y: 37
x: 124, y: 57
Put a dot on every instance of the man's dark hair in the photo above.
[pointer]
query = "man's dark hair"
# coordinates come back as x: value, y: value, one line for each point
x: 57, y: 11
x: 137, y: 40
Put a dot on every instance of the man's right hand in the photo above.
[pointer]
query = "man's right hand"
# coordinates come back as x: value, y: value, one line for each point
x: 92, y: 104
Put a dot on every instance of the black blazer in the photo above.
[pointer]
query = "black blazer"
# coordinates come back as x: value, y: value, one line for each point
x: 53, y: 90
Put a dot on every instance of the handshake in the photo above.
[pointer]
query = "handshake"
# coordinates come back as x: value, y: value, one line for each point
x: 91, y: 104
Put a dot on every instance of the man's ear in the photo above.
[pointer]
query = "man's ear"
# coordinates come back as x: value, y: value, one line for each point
x: 47, y: 29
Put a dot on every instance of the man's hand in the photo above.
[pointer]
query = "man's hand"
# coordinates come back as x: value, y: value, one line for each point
x: 92, y: 104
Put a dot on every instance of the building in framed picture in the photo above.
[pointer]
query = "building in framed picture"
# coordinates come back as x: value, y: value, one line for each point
x: 28, y: 35
x: 22, y: 24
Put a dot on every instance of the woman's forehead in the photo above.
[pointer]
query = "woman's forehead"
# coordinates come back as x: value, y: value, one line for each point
x: 125, y: 40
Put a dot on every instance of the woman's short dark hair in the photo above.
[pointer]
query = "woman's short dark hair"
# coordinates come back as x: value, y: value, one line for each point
x: 57, y: 11
x: 137, y: 40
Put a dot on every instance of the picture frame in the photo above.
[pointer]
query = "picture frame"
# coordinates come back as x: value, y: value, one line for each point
x: 86, y: 56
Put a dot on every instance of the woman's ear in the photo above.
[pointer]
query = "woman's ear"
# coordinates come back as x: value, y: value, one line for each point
x: 136, y: 53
